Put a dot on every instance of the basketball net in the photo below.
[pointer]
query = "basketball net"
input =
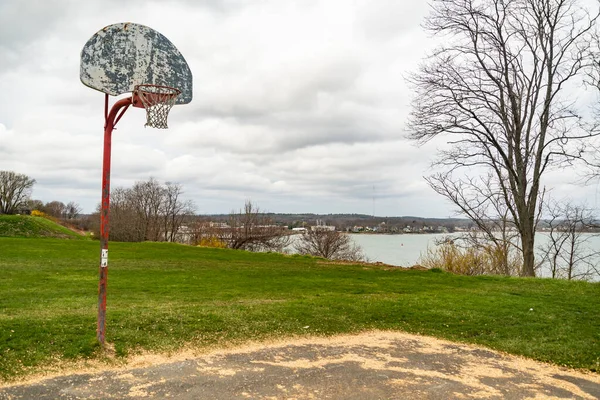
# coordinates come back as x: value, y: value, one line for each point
x: 157, y: 100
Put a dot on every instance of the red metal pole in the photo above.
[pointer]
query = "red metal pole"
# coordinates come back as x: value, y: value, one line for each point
x: 104, y: 215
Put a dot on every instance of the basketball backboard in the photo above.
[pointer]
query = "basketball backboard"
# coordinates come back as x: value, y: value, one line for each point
x: 121, y: 56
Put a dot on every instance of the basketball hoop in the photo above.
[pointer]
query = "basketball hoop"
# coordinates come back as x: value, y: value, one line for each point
x: 157, y: 100
x: 113, y: 61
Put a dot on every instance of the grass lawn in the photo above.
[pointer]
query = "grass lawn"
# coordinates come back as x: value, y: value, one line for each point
x: 162, y: 297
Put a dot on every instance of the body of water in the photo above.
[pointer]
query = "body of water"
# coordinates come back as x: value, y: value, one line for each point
x: 405, y: 250
x: 401, y: 250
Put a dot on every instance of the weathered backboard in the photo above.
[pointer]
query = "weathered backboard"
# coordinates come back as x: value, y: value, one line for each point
x: 123, y: 55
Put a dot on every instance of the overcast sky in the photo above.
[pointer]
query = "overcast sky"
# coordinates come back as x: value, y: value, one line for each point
x: 299, y: 106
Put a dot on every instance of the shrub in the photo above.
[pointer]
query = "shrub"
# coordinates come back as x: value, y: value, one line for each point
x: 471, y: 260
x: 38, y: 213
x: 332, y: 245
x: 212, y: 241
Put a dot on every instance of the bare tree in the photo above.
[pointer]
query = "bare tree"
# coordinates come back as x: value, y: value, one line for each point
x: 35, y: 205
x: 333, y: 245
x: 147, y: 211
x: 15, y: 190
x: 147, y: 198
x: 250, y: 229
x: 124, y: 220
x: 568, y: 253
x: 55, y: 209
x: 174, y: 210
x: 499, y: 86
x: 72, y: 210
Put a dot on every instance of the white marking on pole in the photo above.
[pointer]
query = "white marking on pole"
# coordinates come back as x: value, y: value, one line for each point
x: 104, y: 258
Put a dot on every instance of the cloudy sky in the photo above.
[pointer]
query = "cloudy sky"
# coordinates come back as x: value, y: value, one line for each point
x: 299, y: 106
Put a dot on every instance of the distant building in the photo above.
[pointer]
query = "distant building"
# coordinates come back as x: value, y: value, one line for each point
x: 323, y: 228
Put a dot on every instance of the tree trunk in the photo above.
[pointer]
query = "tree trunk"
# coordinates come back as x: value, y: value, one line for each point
x: 527, y: 243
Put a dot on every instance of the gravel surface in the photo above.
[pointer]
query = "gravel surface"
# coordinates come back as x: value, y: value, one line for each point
x: 373, y: 365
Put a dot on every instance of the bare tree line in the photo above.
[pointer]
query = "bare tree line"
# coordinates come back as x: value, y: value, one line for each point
x: 252, y: 230
x: 152, y: 211
x: 148, y: 211
x: 15, y: 197
x: 568, y: 253
x: 245, y: 229
x: 56, y: 209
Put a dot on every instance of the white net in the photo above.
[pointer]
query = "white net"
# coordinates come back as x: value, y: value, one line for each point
x: 157, y: 101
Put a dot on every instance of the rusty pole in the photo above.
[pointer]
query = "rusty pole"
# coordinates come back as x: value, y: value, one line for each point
x: 111, y: 120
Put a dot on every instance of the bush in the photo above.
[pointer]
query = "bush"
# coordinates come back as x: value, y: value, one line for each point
x: 332, y: 245
x: 471, y: 260
x: 212, y: 242
x: 38, y: 213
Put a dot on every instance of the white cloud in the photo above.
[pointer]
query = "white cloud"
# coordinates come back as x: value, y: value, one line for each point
x: 299, y: 106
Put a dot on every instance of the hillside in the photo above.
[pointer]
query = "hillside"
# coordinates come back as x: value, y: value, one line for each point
x: 26, y: 226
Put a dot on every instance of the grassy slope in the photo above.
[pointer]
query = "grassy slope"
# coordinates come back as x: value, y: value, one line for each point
x: 33, y: 227
x: 165, y: 296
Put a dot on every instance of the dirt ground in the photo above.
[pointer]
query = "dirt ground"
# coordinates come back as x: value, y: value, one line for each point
x: 373, y: 365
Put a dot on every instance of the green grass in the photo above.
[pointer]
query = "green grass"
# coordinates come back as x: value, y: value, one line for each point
x: 162, y: 297
x: 34, y: 227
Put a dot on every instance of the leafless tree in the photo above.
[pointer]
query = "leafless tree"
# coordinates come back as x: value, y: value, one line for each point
x: 35, y: 205
x: 15, y: 190
x: 174, y: 210
x: 501, y: 86
x: 147, y: 198
x: 124, y: 219
x: 147, y: 211
x: 568, y: 253
x: 333, y: 245
x: 250, y: 229
x: 72, y: 210
x: 55, y: 209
